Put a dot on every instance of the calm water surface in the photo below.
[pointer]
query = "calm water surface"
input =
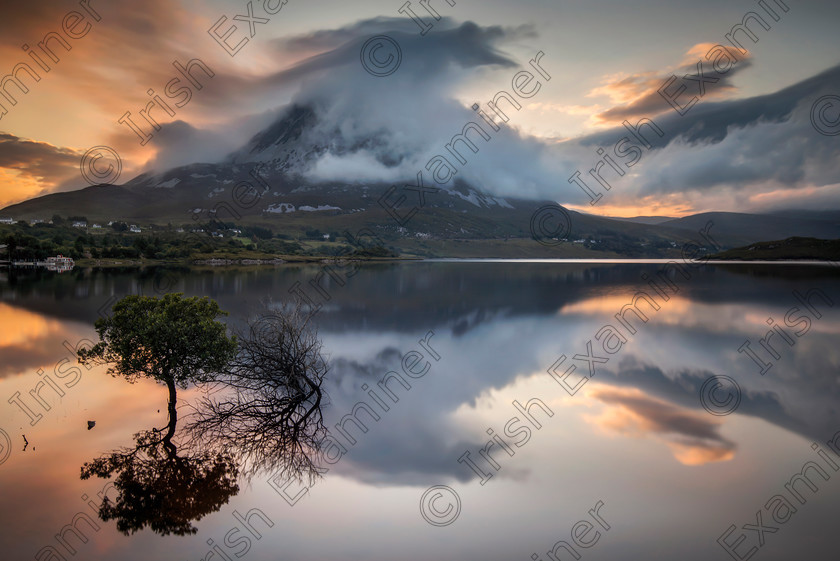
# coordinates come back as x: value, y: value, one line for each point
x: 655, y: 415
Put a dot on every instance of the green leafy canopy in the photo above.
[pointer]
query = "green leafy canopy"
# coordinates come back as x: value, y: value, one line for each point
x: 172, y: 339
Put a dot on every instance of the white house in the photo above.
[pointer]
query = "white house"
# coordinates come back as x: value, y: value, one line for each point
x: 80, y: 224
x: 7, y: 220
x: 134, y: 229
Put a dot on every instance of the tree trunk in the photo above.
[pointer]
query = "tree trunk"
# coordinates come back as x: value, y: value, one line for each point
x: 173, y: 416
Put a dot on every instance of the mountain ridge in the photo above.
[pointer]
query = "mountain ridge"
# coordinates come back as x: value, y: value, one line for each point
x: 267, y: 183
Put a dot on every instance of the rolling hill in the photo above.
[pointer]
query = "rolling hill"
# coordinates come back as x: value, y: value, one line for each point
x: 265, y: 183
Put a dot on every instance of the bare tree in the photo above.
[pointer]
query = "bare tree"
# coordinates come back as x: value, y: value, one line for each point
x: 267, y: 410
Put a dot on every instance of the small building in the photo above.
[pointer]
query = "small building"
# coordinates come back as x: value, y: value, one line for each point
x: 134, y: 229
x: 96, y: 227
x: 80, y: 224
x: 7, y: 220
x: 35, y: 221
x: 59, y: 263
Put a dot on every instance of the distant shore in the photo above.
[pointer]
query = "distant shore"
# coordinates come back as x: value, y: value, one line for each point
x: 298, y: 260
x: 233, y: 262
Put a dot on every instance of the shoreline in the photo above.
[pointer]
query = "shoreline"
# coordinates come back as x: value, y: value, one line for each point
x: 296, y: 260
x: 228, y: 262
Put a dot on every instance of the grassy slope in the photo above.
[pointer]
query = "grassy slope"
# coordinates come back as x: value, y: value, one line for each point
x: 791, y: 248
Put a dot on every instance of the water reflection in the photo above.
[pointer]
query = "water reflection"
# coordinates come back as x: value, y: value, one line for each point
x: 160, y: 489
x: 267, y: 410
x: 635, y: 434
x: 264, y: 411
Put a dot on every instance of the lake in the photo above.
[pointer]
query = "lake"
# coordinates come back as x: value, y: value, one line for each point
x: 537, y: 410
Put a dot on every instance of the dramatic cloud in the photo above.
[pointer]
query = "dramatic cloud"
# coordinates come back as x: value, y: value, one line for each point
x: 28, y: 166
x: 179, y: 142
x: 39, y: 160
x: 692, y: 436
x: 753, y: 154
x: 639, y: 94
x: 121, y: 36
x: 749, y: 154
x: 742, y: 153
x: 368, y: 128
x: 372, y: 129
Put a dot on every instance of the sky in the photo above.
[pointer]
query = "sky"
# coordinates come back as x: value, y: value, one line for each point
x: 759, y: 136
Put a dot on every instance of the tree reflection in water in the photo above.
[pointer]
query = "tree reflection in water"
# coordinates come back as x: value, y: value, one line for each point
x: 264, y: 414
x: 160, y: 489
x: 268, y: 410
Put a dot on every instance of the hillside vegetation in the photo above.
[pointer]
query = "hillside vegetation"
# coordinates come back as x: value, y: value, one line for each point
x: 790, y: 249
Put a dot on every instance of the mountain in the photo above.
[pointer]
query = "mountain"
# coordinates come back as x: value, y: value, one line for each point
x: 266, y: 183
x: 740, y: 229
x: 830, y: 215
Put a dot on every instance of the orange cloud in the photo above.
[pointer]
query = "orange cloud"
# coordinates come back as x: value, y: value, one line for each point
x: 637, y: 95
x: 28, y: 167
x: 16, y: 187
x: 671, y: 204
x: 692, y: 437
x: 691, y: 455
x: 625, y: 88
x: 22, y: 328
x: 609, y: 305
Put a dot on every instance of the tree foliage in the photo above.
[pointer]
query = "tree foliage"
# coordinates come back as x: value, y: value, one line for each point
x: 172, y: 339
x: 266, y: 416
x: 160, y: 489
x: 176, y: 341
